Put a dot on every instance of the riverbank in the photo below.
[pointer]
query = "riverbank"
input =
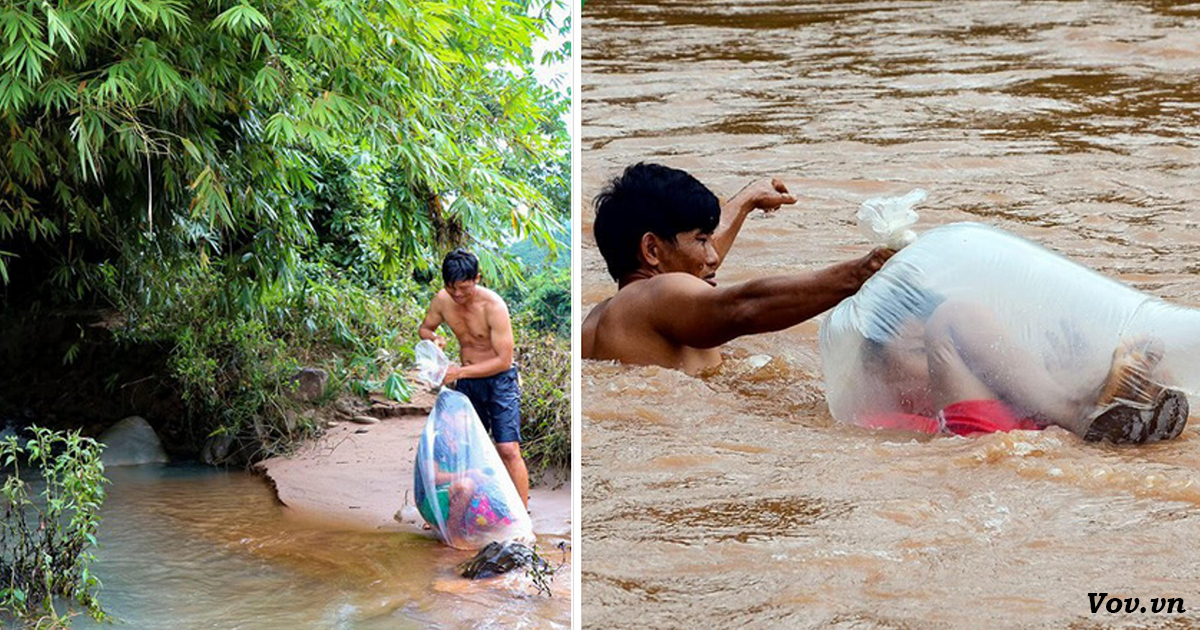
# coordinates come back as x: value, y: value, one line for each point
x: 360, y: 475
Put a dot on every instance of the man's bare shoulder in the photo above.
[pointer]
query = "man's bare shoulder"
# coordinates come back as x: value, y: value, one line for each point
x: 679, y: 280
x: 491, y: 298
x: 439, y: 299
x: 596, y: 313
x: 588, y: 329
x: 633, y: 311
x: 657, y: 291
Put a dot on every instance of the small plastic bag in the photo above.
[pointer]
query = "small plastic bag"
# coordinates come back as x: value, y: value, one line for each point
x: 886, y: 220
x: 431, y: 363
x: 461, y: 486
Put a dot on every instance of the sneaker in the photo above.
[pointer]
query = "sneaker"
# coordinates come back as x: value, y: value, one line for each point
x: 1122, y: 423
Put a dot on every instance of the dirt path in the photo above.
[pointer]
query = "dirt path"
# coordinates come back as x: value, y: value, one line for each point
x: 361, y: 475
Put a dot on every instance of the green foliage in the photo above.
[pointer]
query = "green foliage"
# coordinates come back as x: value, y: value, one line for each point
x: 535, y: 258
x: 252, y: 184
x: 45, y: 538
x: 546, y: 294
x: 199, y: 125
x: 540, y: 571
x: 234, y: 365
x: 233, y: 376
x: 549, y: 302
x: 545, y: 363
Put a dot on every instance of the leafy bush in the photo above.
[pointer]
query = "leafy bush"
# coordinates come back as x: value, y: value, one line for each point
x: 44, y: 538
x: 549, y: 302
x: 233, y: 366
x: 545, y: 364
x: 200, y: 127
x: 233, y: 375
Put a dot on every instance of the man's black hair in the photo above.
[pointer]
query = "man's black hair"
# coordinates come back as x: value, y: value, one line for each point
x: 459, y: 265
x: 649, y: 198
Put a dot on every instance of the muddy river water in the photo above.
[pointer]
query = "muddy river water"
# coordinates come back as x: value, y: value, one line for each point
x: 734, y: 500
x: 189, y: 547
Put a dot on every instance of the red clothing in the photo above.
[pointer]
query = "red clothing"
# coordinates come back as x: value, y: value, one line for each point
x: 966, y: 417
x: 903, y: 422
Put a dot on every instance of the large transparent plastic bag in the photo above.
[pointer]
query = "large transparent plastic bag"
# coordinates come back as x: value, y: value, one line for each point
x: 431, y: 362
x: 1029, y: 312
x: 460, y: 484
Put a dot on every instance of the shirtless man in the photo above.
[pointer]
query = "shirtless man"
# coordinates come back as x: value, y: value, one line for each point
x: 479, y: 320
x: 663, y: 235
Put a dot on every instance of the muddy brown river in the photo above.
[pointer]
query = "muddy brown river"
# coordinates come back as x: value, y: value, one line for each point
x: 188, y: 547
x: 734, y: 500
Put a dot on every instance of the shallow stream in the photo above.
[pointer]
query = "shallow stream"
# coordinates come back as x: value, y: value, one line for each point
x: 189, y: 547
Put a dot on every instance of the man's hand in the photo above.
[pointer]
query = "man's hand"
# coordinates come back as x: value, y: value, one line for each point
x: 872, y: 262
x: 452, y: 374
x: 439, y: 341
x: 767, y: 194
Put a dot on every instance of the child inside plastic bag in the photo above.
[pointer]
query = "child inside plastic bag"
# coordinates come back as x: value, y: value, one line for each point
x: 971, y: 330
x: 461, y: 487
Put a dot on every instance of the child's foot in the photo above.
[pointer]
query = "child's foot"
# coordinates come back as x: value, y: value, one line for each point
x: 1122, y: 423
x: 1129, y: 379
x: 1132, y: 408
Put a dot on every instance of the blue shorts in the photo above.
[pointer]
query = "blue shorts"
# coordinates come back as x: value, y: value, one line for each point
x: 498, y: 402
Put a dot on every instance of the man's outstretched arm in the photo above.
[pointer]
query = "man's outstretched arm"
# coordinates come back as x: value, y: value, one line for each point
x: 702, y: 316
x: 768, y: 194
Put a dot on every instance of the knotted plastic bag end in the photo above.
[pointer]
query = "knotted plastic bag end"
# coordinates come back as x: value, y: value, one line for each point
x: 886, y: 220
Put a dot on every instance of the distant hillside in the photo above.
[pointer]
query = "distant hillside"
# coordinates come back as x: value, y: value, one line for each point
x: 534, y: 258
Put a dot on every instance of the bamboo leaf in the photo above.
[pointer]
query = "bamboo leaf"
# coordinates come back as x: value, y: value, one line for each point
x: 56, y: 29
x: 241, y: 19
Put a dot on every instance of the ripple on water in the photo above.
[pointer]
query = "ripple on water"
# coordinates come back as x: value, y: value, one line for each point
x: 744, y: 521
x: 1101, y: 468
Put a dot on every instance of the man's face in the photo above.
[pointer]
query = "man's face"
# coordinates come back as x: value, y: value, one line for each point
x: 692, y: 252
x: 462, y: 291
